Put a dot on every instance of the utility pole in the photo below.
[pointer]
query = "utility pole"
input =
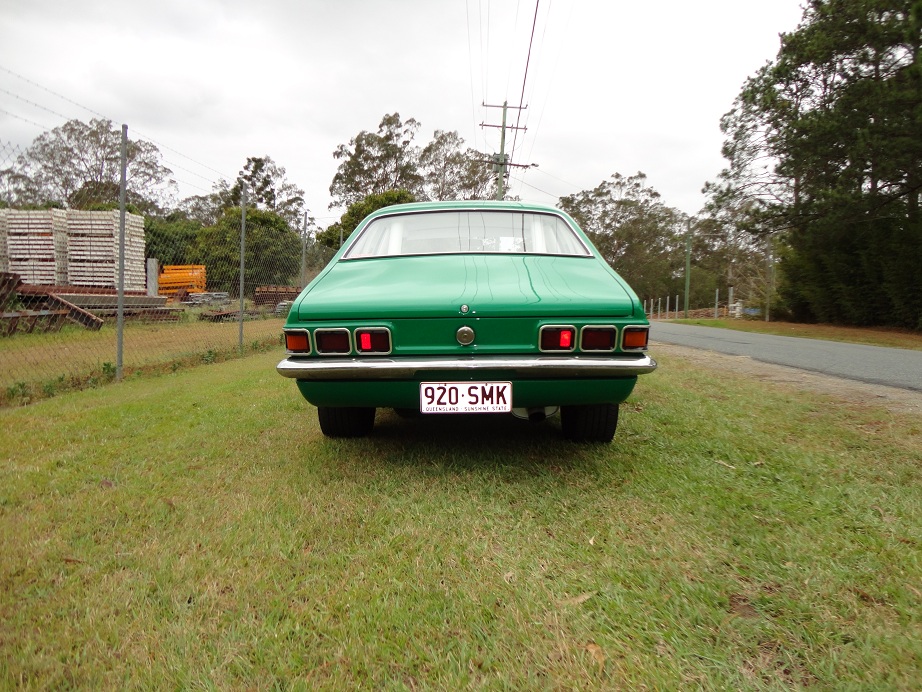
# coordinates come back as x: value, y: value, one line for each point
x: 243, y: 233
x: 688, y: 244
x: 501, y: 182
x: 500, y: 161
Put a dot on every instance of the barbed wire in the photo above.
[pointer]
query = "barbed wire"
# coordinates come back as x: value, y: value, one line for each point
x: 138, y: 133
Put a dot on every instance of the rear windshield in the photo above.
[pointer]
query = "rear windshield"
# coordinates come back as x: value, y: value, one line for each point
x: 474, y: 231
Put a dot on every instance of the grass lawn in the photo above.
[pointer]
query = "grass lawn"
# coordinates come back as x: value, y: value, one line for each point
x: 37, y: 366
x: 195, y: 530
x: 892, y: 338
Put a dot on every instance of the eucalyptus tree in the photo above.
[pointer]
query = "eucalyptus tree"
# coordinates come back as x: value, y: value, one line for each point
x: 639, y: 236
x: 336, y: 233
x: 375, y: 162
x: 78, y: 165
x: 450, y: 171
x: 268, y: 188
x: 272, y: 251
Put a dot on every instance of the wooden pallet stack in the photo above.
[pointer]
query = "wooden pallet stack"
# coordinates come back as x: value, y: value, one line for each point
x: 51, y: 247
x: 92, y: 249
x: 33, y: 244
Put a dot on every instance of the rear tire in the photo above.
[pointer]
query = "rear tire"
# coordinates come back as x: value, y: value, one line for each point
x: 589, y: 423
x: 346, y: 421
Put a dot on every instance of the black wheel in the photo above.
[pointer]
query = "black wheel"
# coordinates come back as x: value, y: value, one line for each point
x: 590, y: 423
x: 345, y: 421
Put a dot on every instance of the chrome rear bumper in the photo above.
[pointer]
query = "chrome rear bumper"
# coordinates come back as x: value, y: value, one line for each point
x: 409, y: 368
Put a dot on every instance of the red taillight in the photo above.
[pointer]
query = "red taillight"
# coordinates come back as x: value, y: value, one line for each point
x: 297, y: 342
x: 557, y: 338
x: 332, y: 341
x: 598, y: 339
x: 634, y: 338
x: 373, y: 340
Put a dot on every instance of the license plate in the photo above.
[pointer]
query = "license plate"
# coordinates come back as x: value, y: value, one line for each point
x: 465, y: 397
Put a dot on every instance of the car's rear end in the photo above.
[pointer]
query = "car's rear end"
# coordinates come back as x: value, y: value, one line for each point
x: 466, y: 331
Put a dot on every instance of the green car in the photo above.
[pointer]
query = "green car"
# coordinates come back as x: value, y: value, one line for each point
x: 442, y: 308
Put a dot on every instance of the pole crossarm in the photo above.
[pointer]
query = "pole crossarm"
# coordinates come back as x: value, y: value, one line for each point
x: 504, y: 105
x: 500, y: 161
x: 506, y: 127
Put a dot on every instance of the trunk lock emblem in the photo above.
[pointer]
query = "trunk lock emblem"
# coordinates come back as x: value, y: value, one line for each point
x: 465, y: 336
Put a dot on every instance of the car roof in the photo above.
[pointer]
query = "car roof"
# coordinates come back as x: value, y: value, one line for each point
x: 460, y: 205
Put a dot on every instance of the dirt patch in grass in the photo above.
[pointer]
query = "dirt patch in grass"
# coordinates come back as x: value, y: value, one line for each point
x: 860, y: 393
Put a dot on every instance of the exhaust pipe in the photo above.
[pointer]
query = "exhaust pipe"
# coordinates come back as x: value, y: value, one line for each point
x: 536, y: 414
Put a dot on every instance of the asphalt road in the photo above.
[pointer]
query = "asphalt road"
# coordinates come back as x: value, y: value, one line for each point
x: 893, y: 367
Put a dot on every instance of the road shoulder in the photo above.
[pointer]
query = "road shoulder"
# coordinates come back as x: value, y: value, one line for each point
x: 854, y: 392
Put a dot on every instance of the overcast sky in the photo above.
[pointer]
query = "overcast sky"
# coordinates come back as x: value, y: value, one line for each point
x: 611, y: 86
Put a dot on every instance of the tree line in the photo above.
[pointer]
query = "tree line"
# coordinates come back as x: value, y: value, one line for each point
x: 815, y: 217
x: 78, y: 166
x: 824, y: 151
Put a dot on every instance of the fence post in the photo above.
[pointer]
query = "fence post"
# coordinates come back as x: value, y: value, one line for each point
x: 659, y: 308
x: 667, y: 306
x: 120, y: 321
x: 153, y: 277
x: 243, y: 228
x: 304, y: 252
x: 716, y: 304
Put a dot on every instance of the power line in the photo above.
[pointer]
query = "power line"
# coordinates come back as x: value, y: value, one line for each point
x: 25, y: 120
x: 32, y: 103
x: 542, y: 105
x: 53, y: 93
x: 485, y: 64
x: 188, y: 158
x: 545, y: 192
x: 182, y: 168
x: 192, y: 185
x: 96, y: 113
x: 525, y: 78
x: 574, y: 185
x: 470, y: 60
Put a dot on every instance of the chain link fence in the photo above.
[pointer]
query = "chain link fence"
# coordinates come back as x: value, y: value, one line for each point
x: 193, y: 293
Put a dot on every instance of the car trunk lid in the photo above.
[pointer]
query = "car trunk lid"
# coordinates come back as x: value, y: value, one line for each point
x: 490, y: 285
